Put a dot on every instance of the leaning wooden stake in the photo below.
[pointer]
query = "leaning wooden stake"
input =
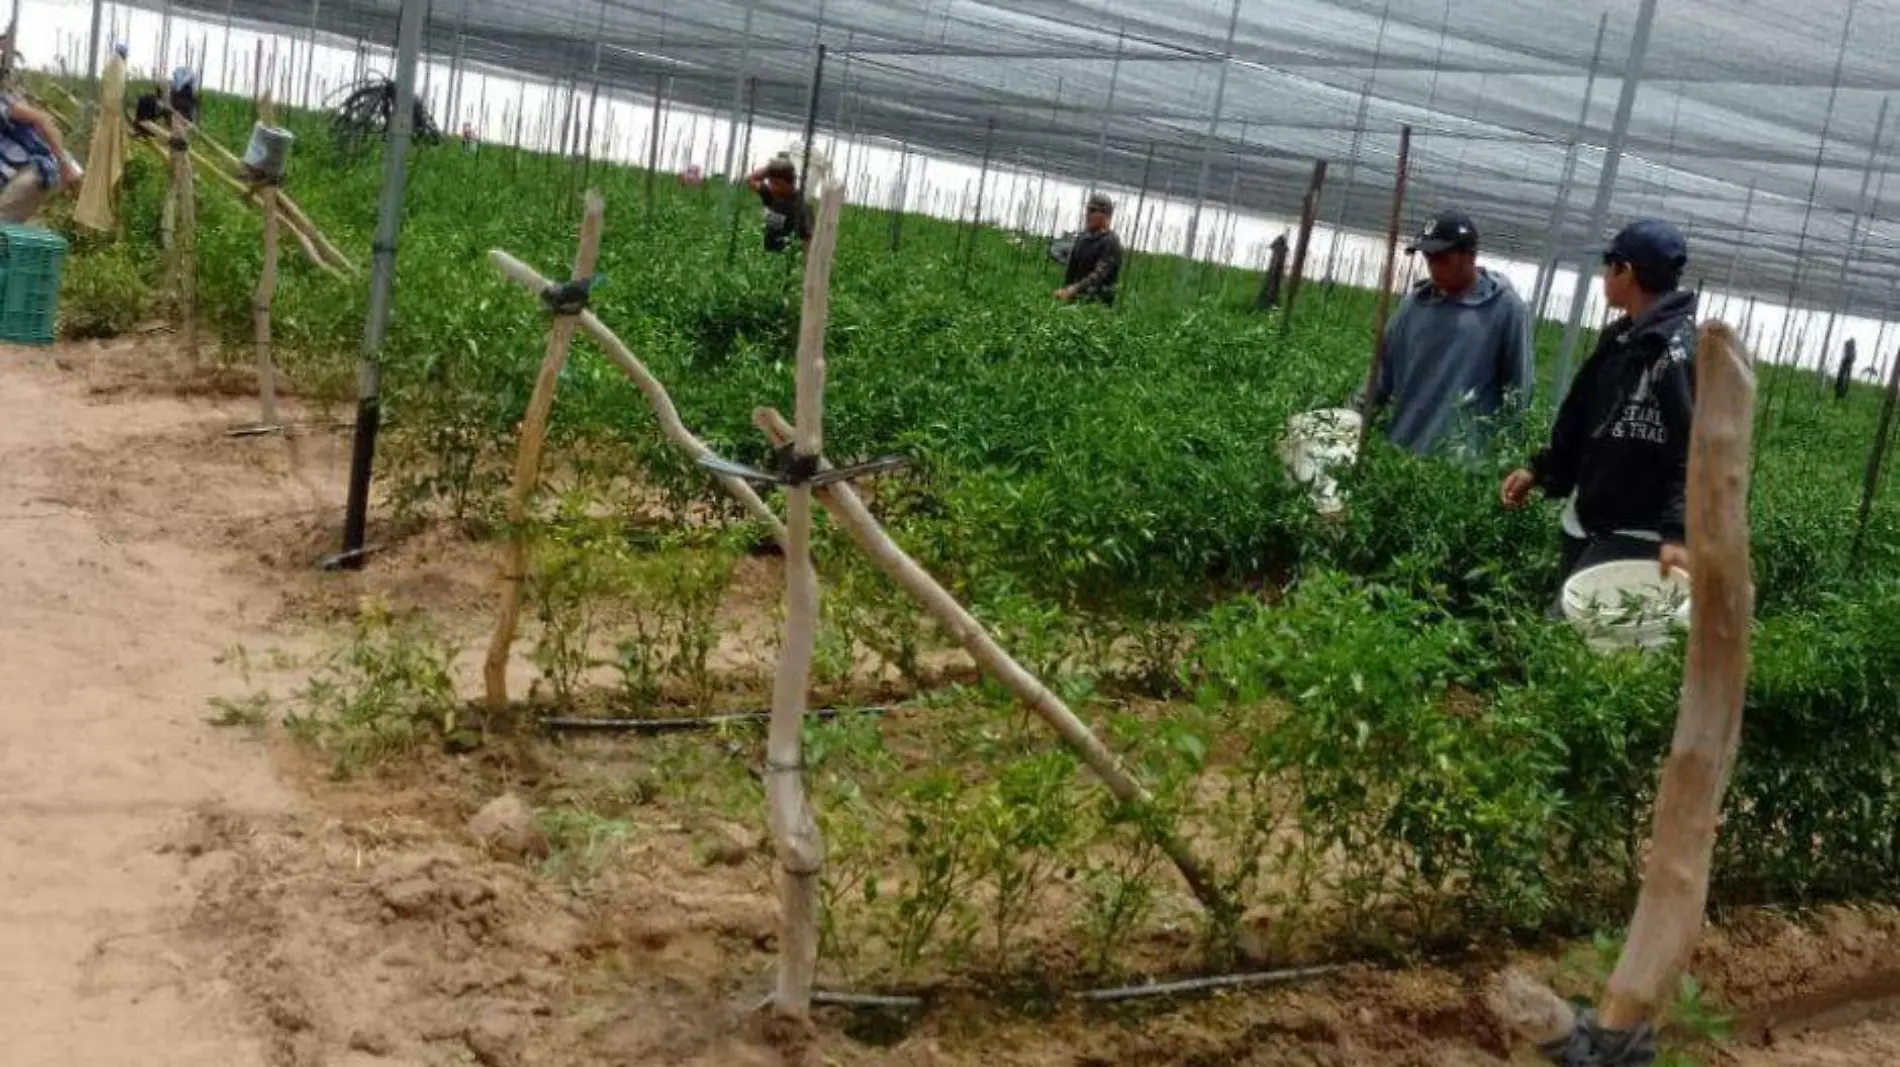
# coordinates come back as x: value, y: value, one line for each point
x: 185, y: 238
x: 534, y: 433
x: 650, y: 387
x: 801, y: 853
x: 1870, y: 483
x: 1669, y: 911
x: 1309, y: 213
x: 844, y: 505
x: 260, y: 307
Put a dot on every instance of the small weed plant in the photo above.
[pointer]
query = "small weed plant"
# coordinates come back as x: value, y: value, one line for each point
x: 386, y: 692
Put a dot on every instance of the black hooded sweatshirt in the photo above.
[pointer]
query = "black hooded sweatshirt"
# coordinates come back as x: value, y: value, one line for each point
x: 1095, y: 264
x: 1621, y: 441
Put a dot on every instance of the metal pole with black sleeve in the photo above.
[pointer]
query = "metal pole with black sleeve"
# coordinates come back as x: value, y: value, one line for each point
x: 382, y: 282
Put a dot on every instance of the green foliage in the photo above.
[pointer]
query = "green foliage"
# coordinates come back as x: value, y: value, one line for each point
x: 384, y: 693
x: 580, y: 842
x: 251, y: 711
x: 1690, y: 1018
x: 1389, y: 747
x: 103, y: 293
x: 1424, y: 807
x: 589, y: 575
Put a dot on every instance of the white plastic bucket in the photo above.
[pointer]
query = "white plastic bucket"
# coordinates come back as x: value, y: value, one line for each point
x: 1318, y: 443
x: 1626, y: 604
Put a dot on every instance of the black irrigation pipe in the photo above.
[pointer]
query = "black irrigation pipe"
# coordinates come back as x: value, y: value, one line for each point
x: 1114, y: 994
x: 866, y: 1000
x: 707, y: 722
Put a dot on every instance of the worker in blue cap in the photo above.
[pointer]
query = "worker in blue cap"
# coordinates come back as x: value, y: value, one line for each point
x: 1619, y: 452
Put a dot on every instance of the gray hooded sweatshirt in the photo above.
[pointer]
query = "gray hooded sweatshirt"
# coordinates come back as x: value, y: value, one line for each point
x: 1453, y: 366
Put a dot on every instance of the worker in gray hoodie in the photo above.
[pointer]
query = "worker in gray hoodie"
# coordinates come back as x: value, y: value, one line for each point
x: 1458, y: 354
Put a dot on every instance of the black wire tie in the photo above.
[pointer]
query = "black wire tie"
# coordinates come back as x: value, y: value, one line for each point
x: 569, y: 297
x: 791, y: 469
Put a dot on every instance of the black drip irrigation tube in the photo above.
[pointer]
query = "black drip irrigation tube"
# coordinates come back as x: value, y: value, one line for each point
x: 1245, y: 979
x: 1202, y: 985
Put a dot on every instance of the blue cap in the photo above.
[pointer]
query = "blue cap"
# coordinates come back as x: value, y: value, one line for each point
x: 1649, y: 243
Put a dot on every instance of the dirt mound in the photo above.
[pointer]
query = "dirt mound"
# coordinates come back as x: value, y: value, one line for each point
x: 384, y: 941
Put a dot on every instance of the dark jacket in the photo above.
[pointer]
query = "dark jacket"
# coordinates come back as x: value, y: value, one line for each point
x: 149, y: 107
x: 1095, y: 264
x: 1621, y: 441
x: 783, y: 218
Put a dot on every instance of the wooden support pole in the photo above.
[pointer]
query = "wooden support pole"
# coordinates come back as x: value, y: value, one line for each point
x: 669, y: 418
x: 653, y: 137
x: 260, y: 306
x: 1369, y: 406
x: 292, y: 212
x: 185, y: 239
x: 244, y: 192
x: 1870, y: 484
x: 1309, y: 211
x: 534, y: 432
x: 848, y: 510
x: 1669, y: 910
x: 794, y: 828
x: 168, y: 212
x: 267, y: 193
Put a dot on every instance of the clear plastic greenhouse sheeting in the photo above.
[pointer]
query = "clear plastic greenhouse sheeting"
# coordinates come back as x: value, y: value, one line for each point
x: 1735, y: 96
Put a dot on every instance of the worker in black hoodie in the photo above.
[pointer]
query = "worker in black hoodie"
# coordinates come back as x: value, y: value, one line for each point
x: 1619, y: 452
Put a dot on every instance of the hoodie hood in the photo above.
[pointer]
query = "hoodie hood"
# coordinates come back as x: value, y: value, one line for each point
x: 1663, y: 320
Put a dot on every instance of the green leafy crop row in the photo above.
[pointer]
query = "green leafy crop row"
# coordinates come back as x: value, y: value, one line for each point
x: 1385, y: 735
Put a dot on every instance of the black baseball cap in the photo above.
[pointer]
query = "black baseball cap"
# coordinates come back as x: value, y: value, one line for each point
x: 1447, y: 231
x: 1100, y: 202
x: 1650, y: 243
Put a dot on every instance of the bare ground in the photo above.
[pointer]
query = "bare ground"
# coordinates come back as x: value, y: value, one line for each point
x: 183, y: 895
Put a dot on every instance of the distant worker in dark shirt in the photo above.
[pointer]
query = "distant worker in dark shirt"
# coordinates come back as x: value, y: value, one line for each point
x: 1269, y: 295
x: 184, y: 94
x: 148, y: 108
x: 1844, y: 380
x: 785, y: 210
x: 1095, y: 262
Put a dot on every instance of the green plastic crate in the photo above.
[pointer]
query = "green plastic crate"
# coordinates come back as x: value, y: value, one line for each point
x: 30, y: 262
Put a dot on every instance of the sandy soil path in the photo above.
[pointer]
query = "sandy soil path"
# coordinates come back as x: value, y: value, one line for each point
x: 107, y: 650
